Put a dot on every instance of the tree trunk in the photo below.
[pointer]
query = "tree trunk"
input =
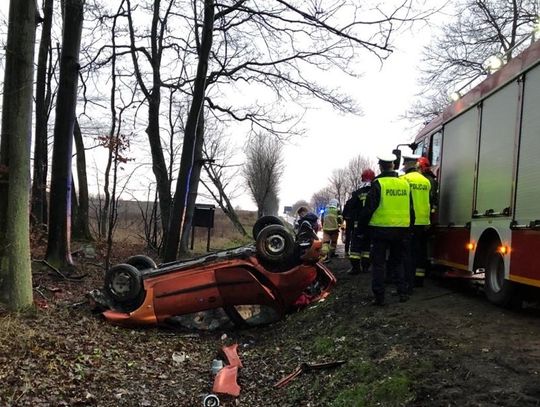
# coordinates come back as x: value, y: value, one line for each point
x: 193, y: 185
x: 58, y: 245
x: 153, y: 96
x: 104, y: 218
x: 177, y: 218
x: 82, y: 219
x: 158, y: 160
x: 16, y: 140
x: 113, y: 207
x: 39, y: 184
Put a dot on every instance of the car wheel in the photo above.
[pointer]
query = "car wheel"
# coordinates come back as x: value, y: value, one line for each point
x: 499, y: 290
x: 142, y: 262
x: 264, y: 222
x: 275, y: 245
x: 123, y: 283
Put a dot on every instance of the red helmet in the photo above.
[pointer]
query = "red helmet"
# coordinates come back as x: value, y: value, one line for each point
x: 368, y: 175
x: 423, y: 163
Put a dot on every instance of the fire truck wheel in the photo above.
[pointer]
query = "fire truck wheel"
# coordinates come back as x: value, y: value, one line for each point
x: 499, y: 290
x: 263, y: 222
x: 142, y: 262
x: 275, y: 246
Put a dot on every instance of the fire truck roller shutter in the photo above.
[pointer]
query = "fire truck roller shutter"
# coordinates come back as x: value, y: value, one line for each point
x: 495, y: 166
x: 456, y: 183
x: 528, y: 184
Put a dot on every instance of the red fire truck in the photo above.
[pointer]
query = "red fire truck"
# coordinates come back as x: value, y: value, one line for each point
x: 485, y: 151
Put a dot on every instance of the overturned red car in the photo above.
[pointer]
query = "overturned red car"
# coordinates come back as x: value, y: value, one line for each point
x: 280, y: 272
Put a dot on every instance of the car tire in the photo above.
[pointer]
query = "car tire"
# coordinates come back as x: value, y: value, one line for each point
x: 275, y: 246
x: 142, y: 262
x: 499, y: 290
x: 264, y: 222
x: 123, y: 283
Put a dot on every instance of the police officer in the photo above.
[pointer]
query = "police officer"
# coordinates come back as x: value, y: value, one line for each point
x: 388, y: 214
x: 360, y: 243
x: 416, y: 255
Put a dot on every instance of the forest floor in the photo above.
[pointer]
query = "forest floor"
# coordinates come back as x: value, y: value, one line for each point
x: 447, y: 346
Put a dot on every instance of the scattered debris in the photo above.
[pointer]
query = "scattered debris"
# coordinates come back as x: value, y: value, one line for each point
x: 231, y: 355
x: 179, y: 357
x: 211, y: 400
x: 226, y: 377
x: 307, y: 367
x: 225, y: 382
x: 217, y: 365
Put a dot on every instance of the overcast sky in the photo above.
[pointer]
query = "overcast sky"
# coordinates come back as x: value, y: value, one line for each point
x: 332, y: 139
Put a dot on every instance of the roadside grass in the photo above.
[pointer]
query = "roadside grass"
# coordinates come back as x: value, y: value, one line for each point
x: 379, y: 370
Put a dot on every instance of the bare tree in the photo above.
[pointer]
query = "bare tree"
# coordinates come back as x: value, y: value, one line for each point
x: 43, y: 101
x: 58, y: 245
x: 353, y: 171
x: 321, y: 198
x: 16, y: 284
x: 81, y: 223
x: 151, y: 89
x: 224, y: 44
x: 338, y: 185
x: 192, y: 146
x: 263, y: 169
x: 221, y: 173
x: 478, y: 30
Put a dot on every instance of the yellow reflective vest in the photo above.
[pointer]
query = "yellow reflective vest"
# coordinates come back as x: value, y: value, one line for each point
x: 420, y: 191
x: 394, y: 208
x: 331, y: 219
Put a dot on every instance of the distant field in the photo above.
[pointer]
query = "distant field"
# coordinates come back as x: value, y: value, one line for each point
x: 130, y: 228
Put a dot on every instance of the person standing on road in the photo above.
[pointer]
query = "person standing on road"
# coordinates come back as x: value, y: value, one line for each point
x: 416, y: 254
x: 360, y: 242
x: 331, y: 223
x: 347, y: 218
x: 388, y: 214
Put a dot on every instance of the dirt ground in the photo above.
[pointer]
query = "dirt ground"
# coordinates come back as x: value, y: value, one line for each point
x: 447, y: 346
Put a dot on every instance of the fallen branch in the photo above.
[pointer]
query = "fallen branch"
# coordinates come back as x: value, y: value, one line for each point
x: 65, y: 277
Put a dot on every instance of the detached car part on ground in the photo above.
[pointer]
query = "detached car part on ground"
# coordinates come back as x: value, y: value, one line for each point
x: 280, y: 272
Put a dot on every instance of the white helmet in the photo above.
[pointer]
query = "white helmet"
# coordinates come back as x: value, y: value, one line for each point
x: 333, y: 203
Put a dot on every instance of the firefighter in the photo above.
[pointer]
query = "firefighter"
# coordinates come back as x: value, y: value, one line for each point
x: 388, y: 213
x: 416, y: 255
x: 424, y: 167
x: 360, y: 243
x: 331, y: 223
x: 349, y: 223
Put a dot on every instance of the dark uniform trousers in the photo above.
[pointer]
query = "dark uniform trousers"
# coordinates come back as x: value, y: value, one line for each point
x: 360, y: 248
x: 348, y: 234
x: 395, y: 241
x: 416, y: 257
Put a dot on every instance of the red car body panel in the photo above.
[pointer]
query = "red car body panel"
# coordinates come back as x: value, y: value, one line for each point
x: 176, y: 290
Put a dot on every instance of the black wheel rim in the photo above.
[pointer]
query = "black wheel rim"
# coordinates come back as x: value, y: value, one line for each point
x: 121, y: 283
x: 275, y: 244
